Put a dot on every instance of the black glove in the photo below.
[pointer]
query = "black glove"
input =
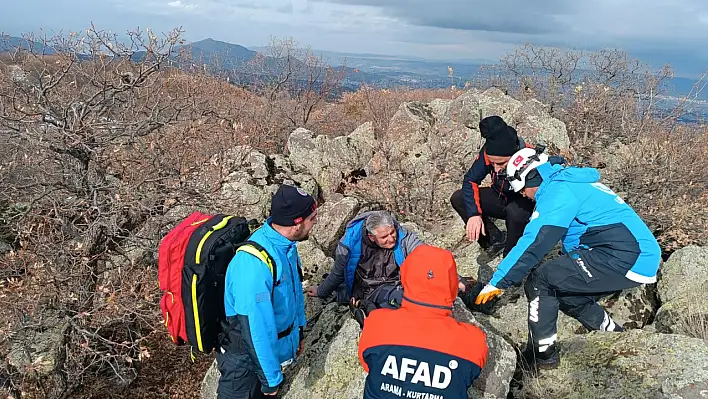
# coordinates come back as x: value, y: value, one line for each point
x: 470, y: 295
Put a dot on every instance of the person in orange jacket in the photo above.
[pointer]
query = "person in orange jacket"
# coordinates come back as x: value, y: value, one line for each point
x: 420, y: 348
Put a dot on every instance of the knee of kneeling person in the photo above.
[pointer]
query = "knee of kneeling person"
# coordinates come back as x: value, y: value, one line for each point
x: 517, y: 214
x: 536, y: 285
x: 456, y: 197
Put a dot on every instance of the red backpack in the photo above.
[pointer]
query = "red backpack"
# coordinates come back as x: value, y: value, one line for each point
x: 169, y: 273
x: 192, y: 262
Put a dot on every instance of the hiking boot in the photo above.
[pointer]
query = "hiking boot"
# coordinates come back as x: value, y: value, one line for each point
x: 491, y: 250
x: 358, y: 313
x: 532, y: 361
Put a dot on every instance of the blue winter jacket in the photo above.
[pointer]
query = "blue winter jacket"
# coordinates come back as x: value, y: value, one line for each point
x: 573, y: 206
x: 348, y: 254
x: 259, y: 321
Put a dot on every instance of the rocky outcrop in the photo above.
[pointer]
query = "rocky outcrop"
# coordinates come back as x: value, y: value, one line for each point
x: 414, y: 166
x: 315, y: 264
x: 496, y: 375
x: 38, y: 353
x: 632, y: 364
x: 332, y: 219
x: 330, y: 366
x: 335, y: 373
x: 39, y: 348
x: 331, y: 160
x: 683, y: 294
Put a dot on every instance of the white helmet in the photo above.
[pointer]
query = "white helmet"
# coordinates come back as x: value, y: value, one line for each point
x: 521, y: 164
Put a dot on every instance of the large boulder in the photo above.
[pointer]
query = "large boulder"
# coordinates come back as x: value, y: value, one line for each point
x: 330, y: 367
x: 496, y: 375
x: 493, y: 101
x: 632, y: 364
x: 682, y: 292
x: 535, y: 124
x: 331, y: 161
x: 38, y: 350
x: 314, y: 265
x: 336, y: 373
x: 332, y: 219
x: 423, y: 155
x: 246, y: 188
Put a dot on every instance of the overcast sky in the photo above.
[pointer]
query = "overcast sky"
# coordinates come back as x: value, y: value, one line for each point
x: 657, y: 31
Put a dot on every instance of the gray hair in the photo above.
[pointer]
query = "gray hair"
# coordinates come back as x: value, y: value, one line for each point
x: 378, y: 219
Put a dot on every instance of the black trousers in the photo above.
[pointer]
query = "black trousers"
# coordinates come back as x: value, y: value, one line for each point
x: 573, y: 284
x: 237, y: 381
x: 515, y: 210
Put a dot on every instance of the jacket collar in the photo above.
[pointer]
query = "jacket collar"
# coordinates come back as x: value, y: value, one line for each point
x: 425, y: 308
x: 275, y: 238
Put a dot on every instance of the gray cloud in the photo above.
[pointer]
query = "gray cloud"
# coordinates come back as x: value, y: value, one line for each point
x: 657, y: 31
x: 511, y: 16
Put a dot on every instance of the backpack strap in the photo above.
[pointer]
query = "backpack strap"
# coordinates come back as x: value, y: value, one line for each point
x: 261, y: 253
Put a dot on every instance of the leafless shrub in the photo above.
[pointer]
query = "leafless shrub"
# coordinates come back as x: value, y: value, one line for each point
x: 84, y: 166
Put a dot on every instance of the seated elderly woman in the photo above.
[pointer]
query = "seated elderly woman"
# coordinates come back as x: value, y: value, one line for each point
x: 367, y: 262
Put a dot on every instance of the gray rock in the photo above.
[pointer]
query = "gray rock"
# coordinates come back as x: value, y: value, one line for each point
x: 682, y: 292
x: 4, y: 247
x: 494, y: 381
x: 330, y: 160
x: 633, y: 308
x: 39, y: 349
x: 239, y: 196
x: 314, y: 265
x: 210, y: 383
x: 332, y: 219
x: 335, y: 374
x: 494, y: 102
x: 534, y: 124
x: 314, y: 262
x: 632, y: 364
x: 465, y: 110
x: 410, y: 126
x: 440, y: 109
x: 304, y: 181
x: 246, y: 159
x: 630, y: 308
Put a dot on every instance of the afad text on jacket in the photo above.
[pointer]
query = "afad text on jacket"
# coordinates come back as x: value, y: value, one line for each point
x: 420, y: 350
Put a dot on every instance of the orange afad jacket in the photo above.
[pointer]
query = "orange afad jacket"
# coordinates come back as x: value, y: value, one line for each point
x: 420, y: 350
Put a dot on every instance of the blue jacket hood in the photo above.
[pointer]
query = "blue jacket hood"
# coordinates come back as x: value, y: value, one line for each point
x: 571, y: 174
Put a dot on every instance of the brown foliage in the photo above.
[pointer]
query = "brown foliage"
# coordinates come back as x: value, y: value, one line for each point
x: 93, y: 147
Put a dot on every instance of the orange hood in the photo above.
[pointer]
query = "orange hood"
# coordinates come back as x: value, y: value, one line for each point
x: 429, y: 277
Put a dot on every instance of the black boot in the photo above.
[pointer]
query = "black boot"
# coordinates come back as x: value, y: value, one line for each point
x: 532, y: 360
x: 491, y: 249
x: 359, y: 312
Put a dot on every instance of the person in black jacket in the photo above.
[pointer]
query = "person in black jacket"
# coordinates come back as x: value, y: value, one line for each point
x: 476, y: 205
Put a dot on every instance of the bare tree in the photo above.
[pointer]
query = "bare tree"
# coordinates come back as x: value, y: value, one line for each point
x: 83, y: 119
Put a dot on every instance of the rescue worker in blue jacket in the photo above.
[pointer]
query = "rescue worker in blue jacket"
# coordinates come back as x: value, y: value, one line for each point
x: 607, y: 248
x: 266, y: 318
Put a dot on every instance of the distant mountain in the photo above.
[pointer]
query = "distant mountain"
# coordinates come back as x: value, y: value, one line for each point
x: 377, y: 70
x: 218, y: 54
x: 10, y: 43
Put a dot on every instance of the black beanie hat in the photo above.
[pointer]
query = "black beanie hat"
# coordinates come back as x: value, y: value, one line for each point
x: 291, y: 205
x: 501, y: 139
